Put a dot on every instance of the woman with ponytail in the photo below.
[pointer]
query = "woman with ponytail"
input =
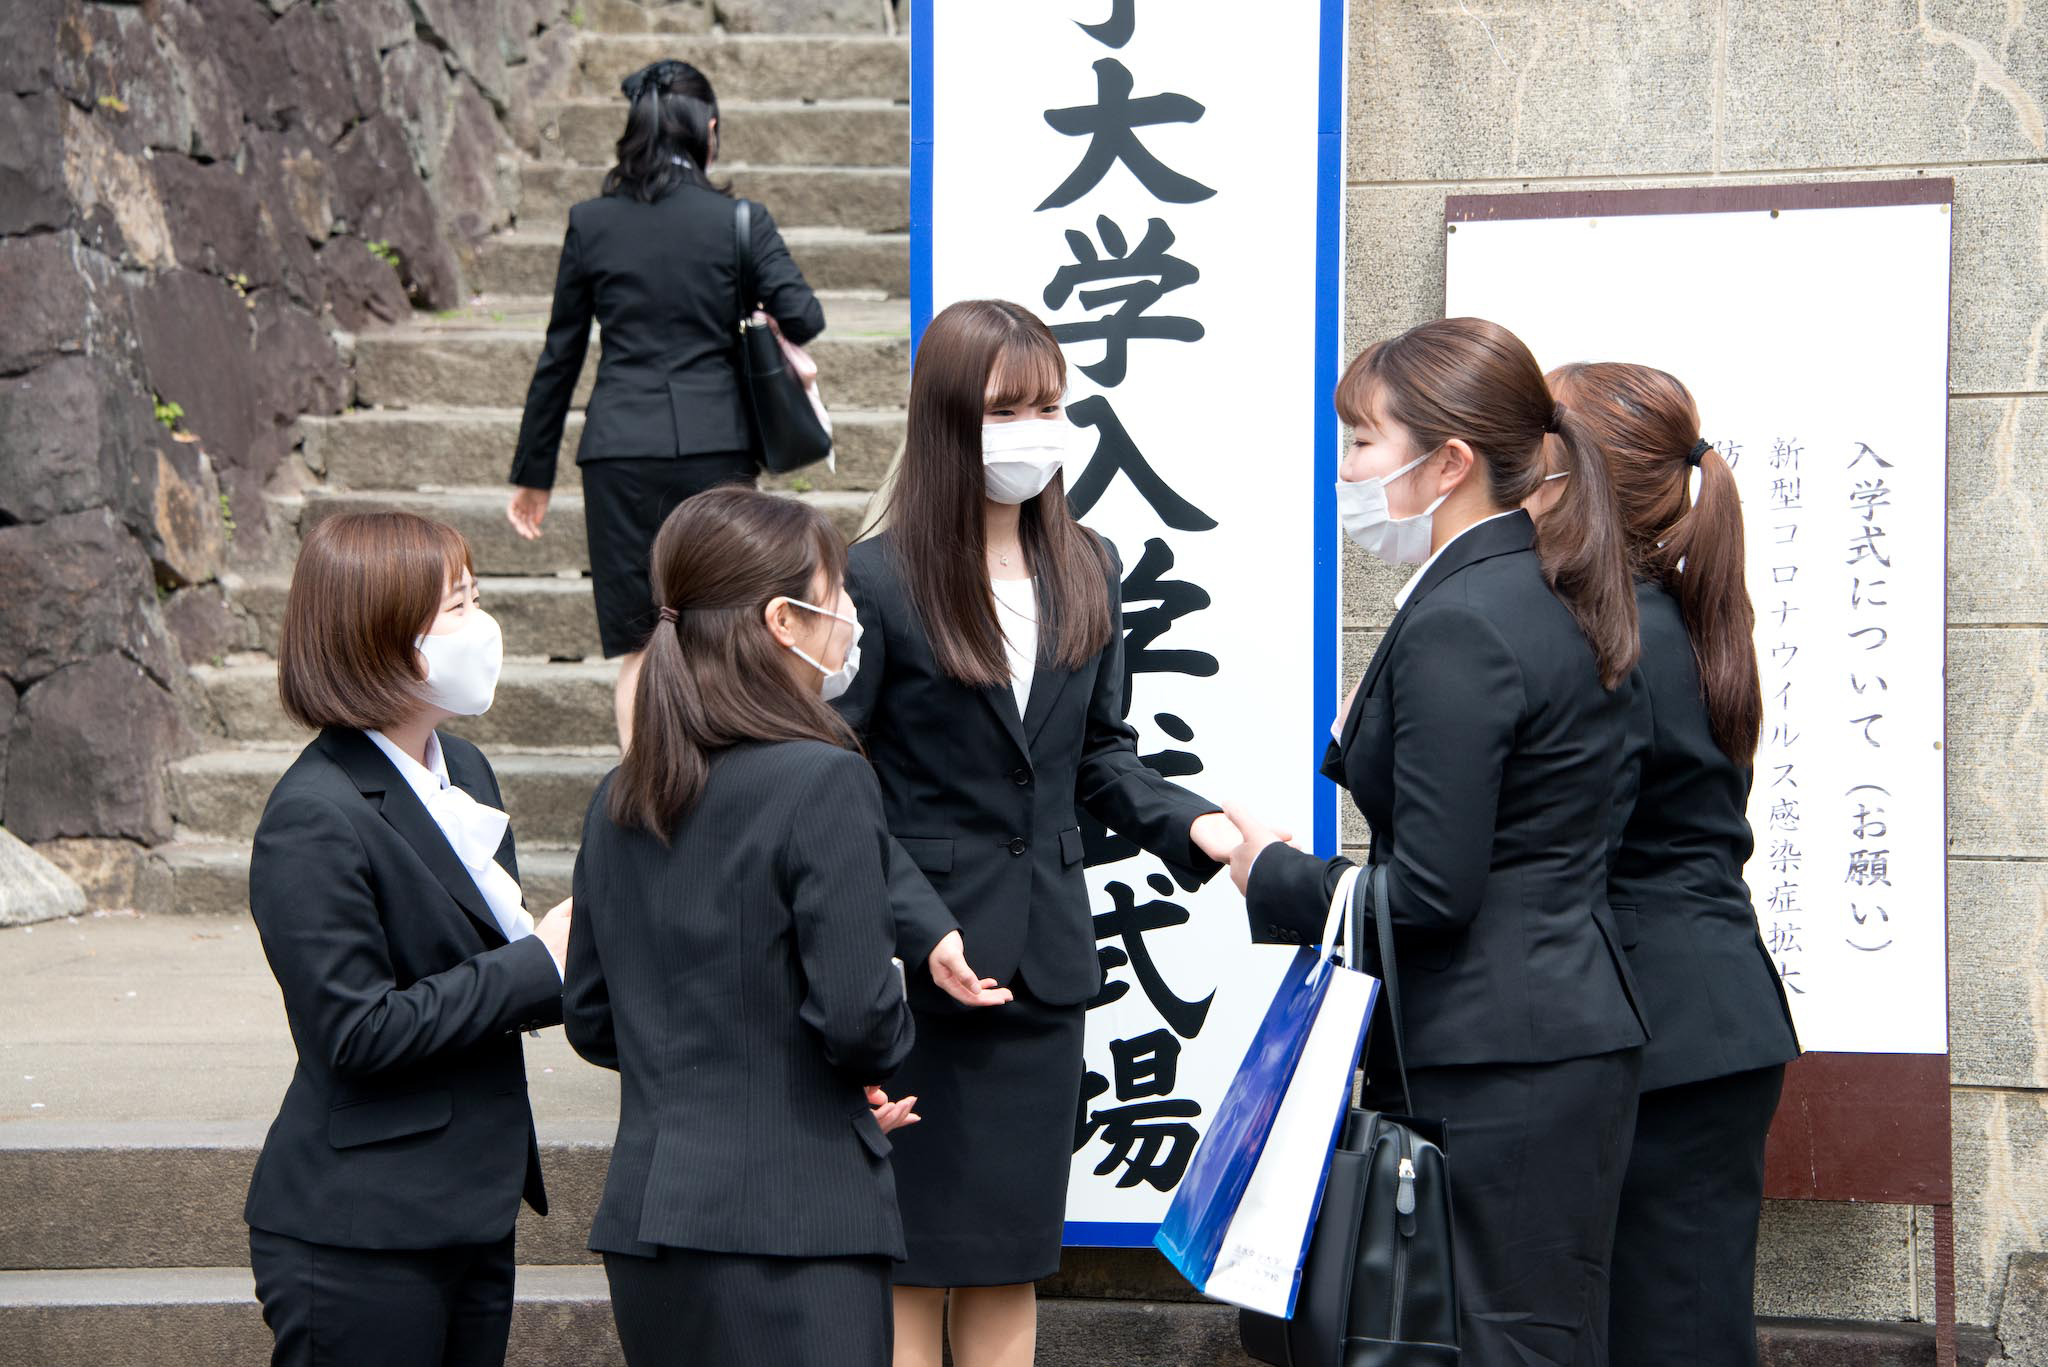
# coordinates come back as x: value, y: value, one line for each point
x: 1685, y: 1247
x: 651, y: 260
x: 731, y: 957
x: 1483, y: 746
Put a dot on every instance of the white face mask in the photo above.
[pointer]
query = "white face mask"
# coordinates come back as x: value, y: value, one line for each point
x: 837, y: 681
x: 1018, y: 459
x: 1362, y: 511
x: 463, y: 665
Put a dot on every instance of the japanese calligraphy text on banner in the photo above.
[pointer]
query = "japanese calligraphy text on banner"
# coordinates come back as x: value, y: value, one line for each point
x: 1815, y: 341
x: 1162, y: 184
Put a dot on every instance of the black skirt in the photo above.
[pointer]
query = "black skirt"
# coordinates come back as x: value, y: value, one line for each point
x: 697, y: 1309
x: 982, y: 1178
x: 624, y: 504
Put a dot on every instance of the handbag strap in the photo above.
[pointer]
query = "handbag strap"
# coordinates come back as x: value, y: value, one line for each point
x: 1390, y: 976
x: 743, y: 260
x: 1333, y: 924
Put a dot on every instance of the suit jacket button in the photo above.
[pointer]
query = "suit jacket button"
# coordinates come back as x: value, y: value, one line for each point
x: 1022, y: 778
x: 1018, y: 846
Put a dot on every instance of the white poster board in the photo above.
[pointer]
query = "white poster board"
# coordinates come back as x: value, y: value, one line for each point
x: 1815, y: 341
x: 1163, y: 186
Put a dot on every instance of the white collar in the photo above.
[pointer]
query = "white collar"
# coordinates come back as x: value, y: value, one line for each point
x: 1408, y: 589
x: 424, y: 779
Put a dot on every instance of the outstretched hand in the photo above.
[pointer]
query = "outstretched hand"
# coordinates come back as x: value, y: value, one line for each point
x: 954, y: 978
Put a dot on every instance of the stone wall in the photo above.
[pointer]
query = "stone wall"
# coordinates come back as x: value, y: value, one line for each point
x: 1490, y: 97
x: 200, y: 200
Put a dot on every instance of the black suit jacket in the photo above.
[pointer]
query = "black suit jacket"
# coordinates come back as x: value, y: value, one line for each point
x: 982, y: 800
x: 738, y: 977
x: 660, y: 281
x: 1714, y: 1001
x: 1484, y: 753
x: 406, y: 1123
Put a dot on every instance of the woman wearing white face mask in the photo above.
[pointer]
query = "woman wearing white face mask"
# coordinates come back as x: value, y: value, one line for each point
x: 1484, y: 747
x: 385, y: 887
x: 731, y: 959
x: 991, y: 701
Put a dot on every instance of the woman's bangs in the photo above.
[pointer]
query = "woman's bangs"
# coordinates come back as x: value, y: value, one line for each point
x: 1027, y: 374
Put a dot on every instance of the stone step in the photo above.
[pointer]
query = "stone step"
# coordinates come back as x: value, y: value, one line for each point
x: 417, y: 367
x: 407, y: 448
x: 219, y: 794
x: 479, y: 514
x: 831, y: 258
x: 632, y: 16
x: 550, y: 616
x: 537, y: 702
x: 211, y: 877
x: 755, y: 66
x: 848, y: 314
x: 764, y: 133
x: 867, y: 198
x: 561, y: 1318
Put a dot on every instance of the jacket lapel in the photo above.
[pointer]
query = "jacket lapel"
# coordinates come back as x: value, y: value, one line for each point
x: 1048, y: 681
x: 375, y: 777
x: 1500, y: 536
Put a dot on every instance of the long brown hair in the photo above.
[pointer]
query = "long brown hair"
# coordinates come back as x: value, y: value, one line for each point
x: 365, y: 589
x: 976, y: 355
x: 1472, y: 380
x: 715, y: 677
x: 1645, y: 423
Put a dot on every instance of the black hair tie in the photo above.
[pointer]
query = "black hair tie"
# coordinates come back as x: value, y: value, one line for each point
x: 1556, y: 419
x: 1698, y: 452
x: 656, y: 78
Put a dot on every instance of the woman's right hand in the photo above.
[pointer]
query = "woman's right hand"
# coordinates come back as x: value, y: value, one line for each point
x: 950, y: 971
x: 892, y: 1115
x: 527, y: 509
x: 552, y: 930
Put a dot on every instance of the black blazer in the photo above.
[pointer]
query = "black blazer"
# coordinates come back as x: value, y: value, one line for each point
x: 982, y: 800
x: 1714, y: 1001
x: 738, y: 977
x: 1484, y: 753
x: 660, y: 281
x: 406, y: 1123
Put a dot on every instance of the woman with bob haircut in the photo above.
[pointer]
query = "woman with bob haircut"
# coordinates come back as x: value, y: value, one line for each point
x: 732, y: 960
x: 992, y: 703
x: 1484, y: 747
x: 385, y: 888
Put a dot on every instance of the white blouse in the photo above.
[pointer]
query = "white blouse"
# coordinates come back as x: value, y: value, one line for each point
x: 1017, y: 610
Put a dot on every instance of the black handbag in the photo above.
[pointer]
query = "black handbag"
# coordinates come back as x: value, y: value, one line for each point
x: 786, y: 434
x: 1378, y: 1287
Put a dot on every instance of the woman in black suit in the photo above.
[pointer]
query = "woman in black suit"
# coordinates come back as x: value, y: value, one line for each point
x: 992, y: 707
x: 1483, y: 746
x: 1685, y: 1249
x: 651, y: 259
x: 384, y: 886
x: 732, y: 959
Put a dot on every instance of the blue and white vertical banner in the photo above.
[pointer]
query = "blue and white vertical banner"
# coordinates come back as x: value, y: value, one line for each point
x: 1162, y: 183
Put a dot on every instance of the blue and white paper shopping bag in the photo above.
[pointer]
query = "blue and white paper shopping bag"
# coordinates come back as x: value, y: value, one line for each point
x: 1240, y: 1220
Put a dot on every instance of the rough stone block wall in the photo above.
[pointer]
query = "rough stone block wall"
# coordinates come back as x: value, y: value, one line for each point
x: 200, y: 202
x: 1490, y: 97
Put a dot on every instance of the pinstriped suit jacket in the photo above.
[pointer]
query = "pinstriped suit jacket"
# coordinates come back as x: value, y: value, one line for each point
x: 738, y: 978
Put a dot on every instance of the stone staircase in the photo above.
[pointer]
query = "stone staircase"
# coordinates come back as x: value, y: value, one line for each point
x: 816, y: 128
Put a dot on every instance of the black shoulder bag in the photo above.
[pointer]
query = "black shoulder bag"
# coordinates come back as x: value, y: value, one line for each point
x: 786, y: 432
x: 1377, y: 1287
